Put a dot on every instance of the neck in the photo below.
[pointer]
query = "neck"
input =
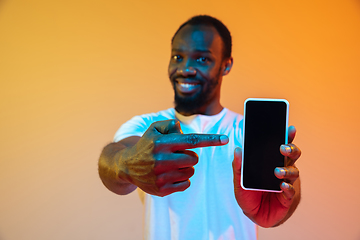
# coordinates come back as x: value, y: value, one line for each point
x: 210, y: 109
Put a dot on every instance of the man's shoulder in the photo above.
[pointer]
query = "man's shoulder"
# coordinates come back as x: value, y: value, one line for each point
x: 158, y: 116
x: 137, y: 125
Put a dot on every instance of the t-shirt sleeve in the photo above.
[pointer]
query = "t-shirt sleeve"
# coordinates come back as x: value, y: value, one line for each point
x: 134, y: 127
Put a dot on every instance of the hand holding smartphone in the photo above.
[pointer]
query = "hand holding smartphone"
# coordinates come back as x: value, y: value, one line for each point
x: 265, y: 130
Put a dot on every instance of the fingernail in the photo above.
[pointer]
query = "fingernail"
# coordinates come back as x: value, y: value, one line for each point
x: 238, y: 150
x: 285, y: 185
x: 286, y: 148
x: 280, y: 171
x: 224, y: 139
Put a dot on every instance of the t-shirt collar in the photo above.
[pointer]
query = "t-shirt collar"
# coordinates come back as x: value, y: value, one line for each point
x: 189, y: 119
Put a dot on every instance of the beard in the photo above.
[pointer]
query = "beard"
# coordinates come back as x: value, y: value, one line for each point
x: 193, y: 104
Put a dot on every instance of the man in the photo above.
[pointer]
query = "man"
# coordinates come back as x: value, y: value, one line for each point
x: 151, y: 152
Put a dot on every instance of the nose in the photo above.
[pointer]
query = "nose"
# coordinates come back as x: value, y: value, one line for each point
x: 186, y: 71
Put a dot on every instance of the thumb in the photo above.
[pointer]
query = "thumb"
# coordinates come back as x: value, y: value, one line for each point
x: 167, y: 126
x: 237, y: 166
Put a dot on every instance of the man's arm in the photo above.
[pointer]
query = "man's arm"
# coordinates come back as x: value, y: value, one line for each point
x: 158, y: 162
x: 109, y: 166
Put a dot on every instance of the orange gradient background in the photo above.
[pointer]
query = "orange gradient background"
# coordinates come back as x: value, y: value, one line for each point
x: 72, y: 72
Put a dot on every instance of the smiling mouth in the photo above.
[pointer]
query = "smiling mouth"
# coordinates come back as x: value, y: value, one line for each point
x: 187, y: 87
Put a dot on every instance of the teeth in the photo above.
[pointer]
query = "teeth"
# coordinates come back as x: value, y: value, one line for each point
x: 187, y: 85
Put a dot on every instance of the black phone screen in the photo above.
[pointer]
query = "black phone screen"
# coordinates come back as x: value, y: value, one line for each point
x: 265, y: 129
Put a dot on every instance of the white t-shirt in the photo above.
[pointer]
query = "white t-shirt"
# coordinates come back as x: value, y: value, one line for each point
x: 207, y: 209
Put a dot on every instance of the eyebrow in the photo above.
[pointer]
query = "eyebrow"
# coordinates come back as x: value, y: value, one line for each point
x: 196, y: 50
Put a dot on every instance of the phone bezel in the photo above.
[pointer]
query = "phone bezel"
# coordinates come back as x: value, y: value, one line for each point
x: 243, y: 136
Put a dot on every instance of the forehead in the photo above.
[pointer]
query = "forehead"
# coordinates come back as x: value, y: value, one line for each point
x: 203, y: 38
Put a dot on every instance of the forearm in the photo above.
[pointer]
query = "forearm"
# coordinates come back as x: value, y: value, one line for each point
x: 109, y: 169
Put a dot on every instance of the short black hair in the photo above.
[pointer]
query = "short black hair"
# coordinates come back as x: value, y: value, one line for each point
x: 217, y: 24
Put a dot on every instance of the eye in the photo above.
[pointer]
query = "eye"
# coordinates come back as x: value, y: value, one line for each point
x: 177, y: 58
x: 202, y: 59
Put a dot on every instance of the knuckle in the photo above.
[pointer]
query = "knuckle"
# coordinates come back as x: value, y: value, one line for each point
x: 157, y: 143
x: 187, y: 184
x: 191, y: 171
x: 158, y: 167
x: 212, y: 138
x: 162, y: 163
x: 291, y: 172
x: 175, y: 123
x: 160, y: 181
x: 294, y: 149
x: 157, y: 140
x: 295, y: 169
x: 159, y: 158
x: 161, y: 193
x: 187, y: 172
x: 195, y: 159
x: 191, y: 157
x: 193, y: 139
x: 191, y: 154
x: 183, y: 186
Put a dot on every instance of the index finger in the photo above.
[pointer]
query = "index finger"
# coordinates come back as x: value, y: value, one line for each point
x: 175, y: 142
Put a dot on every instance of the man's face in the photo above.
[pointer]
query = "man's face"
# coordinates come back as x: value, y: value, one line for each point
x: 195, y: 68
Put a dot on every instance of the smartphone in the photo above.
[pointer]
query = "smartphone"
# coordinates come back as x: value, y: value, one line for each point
x: 265, y: 129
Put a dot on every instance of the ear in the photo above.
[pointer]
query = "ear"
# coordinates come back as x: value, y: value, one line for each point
x: 227, y: 66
